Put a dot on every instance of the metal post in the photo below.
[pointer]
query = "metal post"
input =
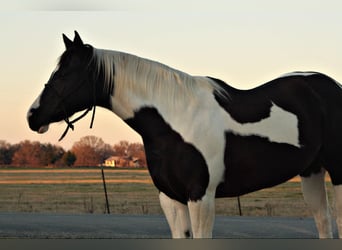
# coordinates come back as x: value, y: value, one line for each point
x: 105, y: 189
x: 239, y: 204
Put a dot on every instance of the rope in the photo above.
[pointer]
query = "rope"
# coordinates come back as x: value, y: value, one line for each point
x: 70, y: 124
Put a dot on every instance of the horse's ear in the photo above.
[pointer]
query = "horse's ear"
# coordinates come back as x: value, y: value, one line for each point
x: 77, y: 40
x: 68, y: 43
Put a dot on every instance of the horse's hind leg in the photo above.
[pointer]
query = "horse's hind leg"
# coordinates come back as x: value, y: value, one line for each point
x: 177, y: 216
x: 338, y: 207
x: 314, y: 192
x: 335, y: 171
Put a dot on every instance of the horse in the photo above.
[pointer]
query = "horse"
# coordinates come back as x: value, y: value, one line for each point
x: 203, y: 138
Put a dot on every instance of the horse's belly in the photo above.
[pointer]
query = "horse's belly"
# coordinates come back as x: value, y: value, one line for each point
x: 253, y: 162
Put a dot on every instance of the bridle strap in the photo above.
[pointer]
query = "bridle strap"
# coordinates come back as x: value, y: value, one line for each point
x: 70, y: 124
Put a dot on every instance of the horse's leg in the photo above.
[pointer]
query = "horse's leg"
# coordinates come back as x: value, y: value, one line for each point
x: 177, y: 216
x: 338, y: 207
x: 335, y: 173
x: 314, y: 192
x: 202, y: 215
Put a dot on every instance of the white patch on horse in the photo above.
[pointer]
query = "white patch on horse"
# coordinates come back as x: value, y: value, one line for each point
x: 34, y: 105
x: 179, y: 98
x: 281, y: 126
x: 202, y: 216
x: 177, y: 215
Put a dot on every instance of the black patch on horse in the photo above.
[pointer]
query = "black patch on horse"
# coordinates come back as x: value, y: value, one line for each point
x: 177, y: 168
x: 253, y: 162
x: 242, y: 107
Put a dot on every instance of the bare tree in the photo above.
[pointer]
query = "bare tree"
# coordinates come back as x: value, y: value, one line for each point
x: 91, y: 151
x: 131, y: 150
x: 121, y: 148
x: 6, y: 152
x: 36, y: 154
x: 28, y: 154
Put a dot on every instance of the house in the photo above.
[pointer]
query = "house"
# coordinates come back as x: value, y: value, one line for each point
x: 112, y: 161
x: 122, y: 161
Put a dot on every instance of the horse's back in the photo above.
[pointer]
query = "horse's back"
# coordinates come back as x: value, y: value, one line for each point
x: 254, y: 161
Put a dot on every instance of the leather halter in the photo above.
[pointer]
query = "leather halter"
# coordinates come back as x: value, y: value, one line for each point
x: 70, y: 124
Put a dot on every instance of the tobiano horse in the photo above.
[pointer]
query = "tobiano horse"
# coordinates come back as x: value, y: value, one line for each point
x: 203, y: 138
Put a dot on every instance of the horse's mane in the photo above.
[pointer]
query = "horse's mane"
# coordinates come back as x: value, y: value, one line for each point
x: 152, y: 79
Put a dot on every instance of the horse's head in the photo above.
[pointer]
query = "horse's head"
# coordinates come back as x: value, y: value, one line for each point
x: 71, y: 87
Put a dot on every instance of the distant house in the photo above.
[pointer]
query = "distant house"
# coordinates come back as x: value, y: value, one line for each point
x: 122, y: 162
x: 112, y: 161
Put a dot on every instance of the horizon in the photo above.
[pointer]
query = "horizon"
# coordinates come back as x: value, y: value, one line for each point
x: 112, y: 144
x: 243, y: 44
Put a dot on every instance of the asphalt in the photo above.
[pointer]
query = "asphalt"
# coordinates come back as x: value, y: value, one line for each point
x: 102, y: 226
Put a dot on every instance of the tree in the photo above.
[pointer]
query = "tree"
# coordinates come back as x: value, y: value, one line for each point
x: 50, y: 154
x: 6, y: 152
x: 130, y: 151
x: 106, y: 151
x: 28, y: 154
x: 137, y: 150
x: 68, y: 158
x: 88, y: 151
x: 120, y: 149
x: 91, y: 151
x: 36, y: 154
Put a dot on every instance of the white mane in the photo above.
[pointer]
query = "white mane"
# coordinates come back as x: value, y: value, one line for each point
x: 150, y: 80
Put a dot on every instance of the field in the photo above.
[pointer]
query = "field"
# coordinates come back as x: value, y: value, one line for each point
x: 129, y: 192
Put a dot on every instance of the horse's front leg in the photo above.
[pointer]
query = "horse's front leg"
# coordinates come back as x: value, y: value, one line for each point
x: 202, y: 216
x: 177, y: 216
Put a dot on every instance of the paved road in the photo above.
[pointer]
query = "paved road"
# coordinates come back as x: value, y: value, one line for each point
x: 97, y: 226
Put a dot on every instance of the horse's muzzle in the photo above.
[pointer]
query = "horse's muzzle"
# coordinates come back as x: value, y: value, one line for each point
x: 34, y: 125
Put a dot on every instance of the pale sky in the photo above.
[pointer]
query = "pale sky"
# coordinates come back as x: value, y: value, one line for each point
x: 244, y: 43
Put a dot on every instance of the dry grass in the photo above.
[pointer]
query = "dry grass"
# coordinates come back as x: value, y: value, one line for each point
x: 77, y: 191
x: 130, y: 192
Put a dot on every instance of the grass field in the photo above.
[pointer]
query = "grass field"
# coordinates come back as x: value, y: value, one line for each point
x: 130, y: 192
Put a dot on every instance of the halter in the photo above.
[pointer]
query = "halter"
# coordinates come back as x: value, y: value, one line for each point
x: 70, y: 124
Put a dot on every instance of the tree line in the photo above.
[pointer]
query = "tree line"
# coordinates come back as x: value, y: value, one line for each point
x: 88, y: 151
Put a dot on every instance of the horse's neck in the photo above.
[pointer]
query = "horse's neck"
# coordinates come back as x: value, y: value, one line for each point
x: 144, y: 83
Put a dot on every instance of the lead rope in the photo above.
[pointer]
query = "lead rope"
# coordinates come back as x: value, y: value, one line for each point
x: 70, y: 124
x: 102, y: 170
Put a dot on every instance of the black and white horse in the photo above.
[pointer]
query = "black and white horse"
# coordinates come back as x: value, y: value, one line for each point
x: 203, y: 138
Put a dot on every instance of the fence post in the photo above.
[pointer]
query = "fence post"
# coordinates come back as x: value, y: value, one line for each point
x: 239, y: 205
x: 105, y: 189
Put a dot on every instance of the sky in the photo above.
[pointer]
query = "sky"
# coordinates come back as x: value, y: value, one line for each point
x: 244, y: 43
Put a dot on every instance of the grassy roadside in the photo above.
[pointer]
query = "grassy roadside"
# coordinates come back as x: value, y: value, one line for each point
x: 130, y: 192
